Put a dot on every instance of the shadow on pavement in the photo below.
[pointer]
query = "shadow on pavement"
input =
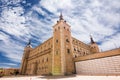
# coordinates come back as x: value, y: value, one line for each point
x: 56, y: 77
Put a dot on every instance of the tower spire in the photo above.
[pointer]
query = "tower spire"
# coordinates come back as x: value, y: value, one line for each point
x: 92, y: 41
x: 61, y: 16
x: 29, y: 43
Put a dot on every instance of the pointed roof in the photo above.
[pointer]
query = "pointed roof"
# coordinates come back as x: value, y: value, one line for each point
x: 29, y: 43
x: 91, y: 39
x: 61, y: 16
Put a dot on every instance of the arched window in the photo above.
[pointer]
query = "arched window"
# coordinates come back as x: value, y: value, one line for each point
x: 67, y: 40
x: 68, y: 51
x: 56, y: 40
x: 84, y: 53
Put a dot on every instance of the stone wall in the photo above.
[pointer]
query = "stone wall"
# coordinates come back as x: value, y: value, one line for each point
x: 108, y: 65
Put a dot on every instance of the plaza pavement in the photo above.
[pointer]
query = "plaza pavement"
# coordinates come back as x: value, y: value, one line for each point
x: 72, y: 77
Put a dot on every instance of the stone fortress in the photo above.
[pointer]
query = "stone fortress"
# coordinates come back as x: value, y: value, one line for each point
x: 63, y: 54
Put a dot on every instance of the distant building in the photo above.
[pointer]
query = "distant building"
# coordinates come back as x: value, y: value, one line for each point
x: 63, y: 54
x: 10, y: 71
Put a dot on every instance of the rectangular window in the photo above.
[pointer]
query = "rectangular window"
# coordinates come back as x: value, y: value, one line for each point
x: 56, y: 41
x: 47, y: 60
x: 68, y: 50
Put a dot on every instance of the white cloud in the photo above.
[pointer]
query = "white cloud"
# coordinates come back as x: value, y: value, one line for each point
x: 111, y: 43
x: 7, y: 65
x: 55, y: 5
x: 12, y: 50
x: 3, y: 37
x: 13, y: 24
x: 11, y: 1
x: 39, y: 10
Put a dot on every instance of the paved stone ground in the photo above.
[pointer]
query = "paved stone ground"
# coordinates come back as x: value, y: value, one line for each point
x: 72, y: 77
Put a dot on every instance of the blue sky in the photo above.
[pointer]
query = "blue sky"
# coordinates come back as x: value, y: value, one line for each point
x: 21, y: 20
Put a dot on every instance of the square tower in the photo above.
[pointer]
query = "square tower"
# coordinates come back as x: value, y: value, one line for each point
x: 62, y: 59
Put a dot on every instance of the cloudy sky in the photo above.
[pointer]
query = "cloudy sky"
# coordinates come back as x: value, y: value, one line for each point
x: 21, y: 20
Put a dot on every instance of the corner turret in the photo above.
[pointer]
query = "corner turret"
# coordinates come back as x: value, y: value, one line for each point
x: 26, y: 53
x: 93, y: 46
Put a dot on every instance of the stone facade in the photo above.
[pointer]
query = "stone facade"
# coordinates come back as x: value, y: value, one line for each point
x: 57, y: 55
